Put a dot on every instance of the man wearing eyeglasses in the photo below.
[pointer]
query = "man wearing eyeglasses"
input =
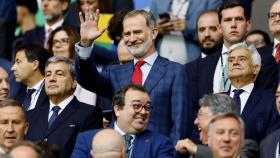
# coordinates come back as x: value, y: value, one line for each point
x: 132, y: 109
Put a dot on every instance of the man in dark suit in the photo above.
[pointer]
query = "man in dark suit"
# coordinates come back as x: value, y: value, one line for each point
x: 4, y: 85
x: 164, y: 80
x: 211, y: 106
x: 243, y: 67
x: 132, y: 108
x: 63, y: 117
x: 269, y: 147
x: 209, y: 75
x: 28, y: 69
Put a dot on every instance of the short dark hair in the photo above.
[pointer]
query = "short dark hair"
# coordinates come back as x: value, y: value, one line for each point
x: 12, y: 103
x: 261, y: 32
x: 231, y: 4
x: 35, y: 52
x: 31, y: 5
x: 119, y: 97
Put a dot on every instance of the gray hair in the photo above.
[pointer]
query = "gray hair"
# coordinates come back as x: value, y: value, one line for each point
x: 150, y: 19
x: 227, y: 115
x: 218, y: 103
x: 68, y: 61
x: 256, y: 58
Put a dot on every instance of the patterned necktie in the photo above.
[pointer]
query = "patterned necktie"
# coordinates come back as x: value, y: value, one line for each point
x: 137, y: 74
x: 55, y: 110
x: 27, y: 100
x: 47, y: 35
x: 128, y: 139
x: 277, y: 54
x: 236, y: 99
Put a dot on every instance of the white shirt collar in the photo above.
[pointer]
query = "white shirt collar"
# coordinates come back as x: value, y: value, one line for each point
x: 117, y: 128
x: 38, y: 85
x: 149, y: 60
x: 54, y: 26
x: 276, y: 41
x: 248, y: 88
x: 62, y: 105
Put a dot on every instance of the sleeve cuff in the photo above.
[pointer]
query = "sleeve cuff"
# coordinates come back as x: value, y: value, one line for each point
x: 83, y: 52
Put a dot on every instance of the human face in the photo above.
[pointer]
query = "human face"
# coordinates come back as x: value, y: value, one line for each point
x: 58, y: 81
x: 256, y: 39
x: 277, y: 97
x: 138, y: 37
x: 203, y: 118
x: 123, y: 54
x: 274, y: 21
x: 23, y: 152
x: 22, y: 68
x: 226, y: 138
x: 241, y: 67
x: 53, y: 10
x: 13, y: 127
x: 209, y: 31
x: 128, y: 119
x: 61, y: 44
x: 91, y: 4
x: 234, y: 25
x: 4, y: 85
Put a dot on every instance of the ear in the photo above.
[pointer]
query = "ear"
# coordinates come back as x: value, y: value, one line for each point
x: 154, y: 33
x: 26, y: 128
x: 256, y: 69
x: 219, y: 28
x: 74, y: 85
x: 65, y: 5
x: 35, y: 64
x: 249, y: 25
x: 117, y: 110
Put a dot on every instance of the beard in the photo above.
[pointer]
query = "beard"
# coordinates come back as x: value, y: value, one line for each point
x: 141, y: 50
x: 213, y: 49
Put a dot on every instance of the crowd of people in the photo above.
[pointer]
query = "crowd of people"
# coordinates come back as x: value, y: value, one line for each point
x: 187, y: 78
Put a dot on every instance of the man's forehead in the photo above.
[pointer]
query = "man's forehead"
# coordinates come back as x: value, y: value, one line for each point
x: 232, y: 13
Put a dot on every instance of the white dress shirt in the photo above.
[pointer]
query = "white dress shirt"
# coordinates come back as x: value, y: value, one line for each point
x: 62, y: 105
x: 34, y: 97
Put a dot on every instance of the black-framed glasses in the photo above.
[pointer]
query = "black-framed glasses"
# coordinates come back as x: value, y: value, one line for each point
x: 63, y: 41
x: 273, y: 15
x: 137, y: 107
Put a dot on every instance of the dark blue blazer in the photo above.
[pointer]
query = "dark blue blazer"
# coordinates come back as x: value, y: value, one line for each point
x: 14, y: 86
x: 260, y: 115
x: 75, y: 118
x: 147, y: 145
x: 269, y: 144
x: 201, y: 72
x: 166, y: 84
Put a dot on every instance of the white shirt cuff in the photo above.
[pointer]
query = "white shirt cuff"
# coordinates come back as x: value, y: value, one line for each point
x: 83, y: 52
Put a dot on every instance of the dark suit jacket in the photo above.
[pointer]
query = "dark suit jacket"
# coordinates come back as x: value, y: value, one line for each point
x: 269, y: 144
x: 250, y: 149
x: 166, y: 84
x: 42, y: 99
x: 75, y: 118
x: 201, y: 72
x: 260, y: 115
x: 147, y: 145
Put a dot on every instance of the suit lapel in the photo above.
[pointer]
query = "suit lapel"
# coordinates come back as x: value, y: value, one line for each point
x: 125, y: 74
x: 42, y: 97
x: 249, y: 106
x: 69, y: 110
x: 42, y: 119
x: 156, y: 73
x: 141, y: 145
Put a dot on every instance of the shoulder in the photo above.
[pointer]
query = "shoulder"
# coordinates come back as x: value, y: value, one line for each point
x: 274, y: 137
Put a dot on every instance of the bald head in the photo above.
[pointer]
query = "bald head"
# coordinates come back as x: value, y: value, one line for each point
x: 108, y: 143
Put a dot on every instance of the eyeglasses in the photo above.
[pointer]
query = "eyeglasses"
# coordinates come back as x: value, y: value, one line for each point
x: 137, y: 107
x: 200, y: 114
x: 273, y: 15
x: 63, y: 41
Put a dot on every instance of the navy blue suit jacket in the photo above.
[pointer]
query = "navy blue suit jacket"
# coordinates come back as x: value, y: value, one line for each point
x: 269, y: 144
x: 147, y: 145
x: 260, y: 115
x: 166, y: 84
x: 75, y: 118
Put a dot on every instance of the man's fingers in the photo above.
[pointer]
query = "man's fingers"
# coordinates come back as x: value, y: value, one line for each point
x: 81, y: 17
x: 97, y: 13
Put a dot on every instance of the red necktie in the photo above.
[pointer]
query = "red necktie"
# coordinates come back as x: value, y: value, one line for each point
x: 277, y: 54
x: 137, y: 74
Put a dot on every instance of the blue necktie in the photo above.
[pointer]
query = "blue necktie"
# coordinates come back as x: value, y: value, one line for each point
x: 128, y: 139
x: 236, y: 99
x: 27, y: 100
x: 55, y: 110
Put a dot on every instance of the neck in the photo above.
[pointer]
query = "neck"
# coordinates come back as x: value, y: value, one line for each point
x: 36, y: 77
x: 53, y: 21
x: 240, y: 82
x: 149, y: 52
x: 57, y: 99
x: 27, y: 24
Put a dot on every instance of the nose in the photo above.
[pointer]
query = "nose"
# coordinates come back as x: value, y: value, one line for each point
x: 10, y: 127
x: 13, y: 68
x: 132, y: 38
x: 207, y: 33
x: 233, y: 23
x: 4, y: 84
x: 226, y: 137
x: 196, y: 121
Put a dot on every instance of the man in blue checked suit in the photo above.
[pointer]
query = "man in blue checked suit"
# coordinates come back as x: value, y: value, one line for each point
x: 132, y: 108
x: 165, y: 81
